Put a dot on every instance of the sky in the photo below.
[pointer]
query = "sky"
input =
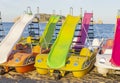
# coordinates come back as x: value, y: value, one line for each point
x: 102, y: 9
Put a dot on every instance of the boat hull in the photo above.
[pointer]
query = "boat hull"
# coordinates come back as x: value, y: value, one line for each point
x: 24, y: 69
x: 78, y: 65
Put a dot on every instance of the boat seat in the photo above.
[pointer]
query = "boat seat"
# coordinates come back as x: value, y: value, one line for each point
x: 95, y: 43
x: 109, y: 43
x: 108, y: 51
x: 85, y: 52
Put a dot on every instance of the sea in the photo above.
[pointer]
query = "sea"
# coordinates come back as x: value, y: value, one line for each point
x: 100, y: 30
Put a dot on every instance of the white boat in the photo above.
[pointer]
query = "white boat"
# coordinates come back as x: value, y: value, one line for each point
x: 108, y: 57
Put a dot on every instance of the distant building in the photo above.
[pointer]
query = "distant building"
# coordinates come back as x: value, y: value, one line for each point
x: 99, y: 21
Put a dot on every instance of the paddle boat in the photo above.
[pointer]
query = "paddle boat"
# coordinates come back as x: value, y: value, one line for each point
x: 60, y: 61
x: 22, y: 56
x: 108, y: 58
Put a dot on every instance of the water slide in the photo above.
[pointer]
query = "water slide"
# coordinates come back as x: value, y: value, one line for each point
x: 13, y: 36
x: 84, y: 30
x: 46, y: 37
x: 115, y: 59
x: 59, y: 51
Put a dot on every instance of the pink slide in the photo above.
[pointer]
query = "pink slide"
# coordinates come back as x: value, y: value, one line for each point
x: 84, y: 30
x: 115, y: 59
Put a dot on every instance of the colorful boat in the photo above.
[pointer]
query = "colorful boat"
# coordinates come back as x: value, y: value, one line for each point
x: 108, y: 57
x: 59, y: 60
x: 23, y: 56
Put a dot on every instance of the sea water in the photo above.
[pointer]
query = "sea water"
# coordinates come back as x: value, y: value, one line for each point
x: 100, y: 30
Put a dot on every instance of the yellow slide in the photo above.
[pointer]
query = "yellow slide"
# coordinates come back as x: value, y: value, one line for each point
x: 59, y: 51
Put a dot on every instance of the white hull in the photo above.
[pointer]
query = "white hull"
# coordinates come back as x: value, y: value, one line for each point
x: 103, y: 63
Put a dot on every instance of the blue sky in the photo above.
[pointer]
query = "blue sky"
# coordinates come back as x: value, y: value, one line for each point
x: 103, y: 9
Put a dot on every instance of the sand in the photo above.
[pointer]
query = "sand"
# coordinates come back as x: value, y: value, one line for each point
x: 34, y: 77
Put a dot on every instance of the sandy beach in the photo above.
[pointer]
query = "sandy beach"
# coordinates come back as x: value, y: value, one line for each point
x: 34, y: 77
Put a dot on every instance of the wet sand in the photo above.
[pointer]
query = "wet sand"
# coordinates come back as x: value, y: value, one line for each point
x: 34, y: 77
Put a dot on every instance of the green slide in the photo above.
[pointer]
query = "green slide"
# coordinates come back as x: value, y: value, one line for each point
x: 59, y: 51
x: 48, y: 32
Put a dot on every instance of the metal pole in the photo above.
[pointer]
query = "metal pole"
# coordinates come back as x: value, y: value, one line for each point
x: 81, y: 12
x: 37, y: 10
x: 71, y: 11
x: 54, y: 12
x: 60, y: 12
x: 0, y: 14
x: 119, y: 12
x: 29, y: 10
x: 81, y: 15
